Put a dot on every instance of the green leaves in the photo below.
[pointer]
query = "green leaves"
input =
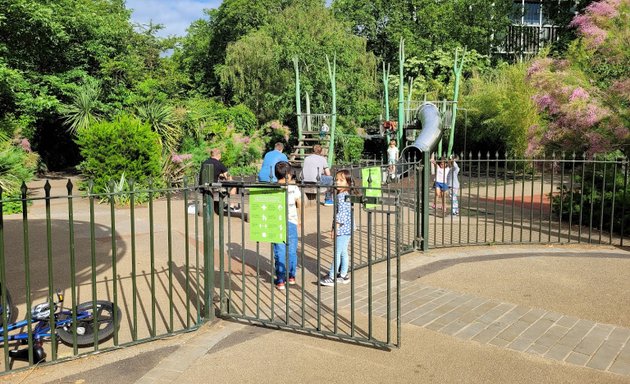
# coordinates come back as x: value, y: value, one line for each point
x: 124, y: 146
x: 160, y: 118
x: 82, y: 112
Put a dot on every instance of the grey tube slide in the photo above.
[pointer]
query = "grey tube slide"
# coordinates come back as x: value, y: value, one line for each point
x: 429, y: 135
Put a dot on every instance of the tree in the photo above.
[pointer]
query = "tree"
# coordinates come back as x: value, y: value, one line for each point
x: 49, y: 48
x: 160, y: 118
x: 206, y: 44
x: 258, y: 69
x: 425, y: 25
x: 584, y: 96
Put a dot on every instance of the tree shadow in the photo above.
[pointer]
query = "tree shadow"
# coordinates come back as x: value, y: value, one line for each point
x: 51, y: 254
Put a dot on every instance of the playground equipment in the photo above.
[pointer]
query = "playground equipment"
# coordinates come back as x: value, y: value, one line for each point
x: 431, y: 122
x: 315, y: 128
x: 432, y: 117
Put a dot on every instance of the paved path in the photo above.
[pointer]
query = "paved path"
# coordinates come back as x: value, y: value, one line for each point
x: 468, y: 317
x: 447, y: 336
x: 536, y: 331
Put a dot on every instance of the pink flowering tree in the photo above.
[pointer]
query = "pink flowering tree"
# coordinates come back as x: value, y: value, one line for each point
x: 585, y: 96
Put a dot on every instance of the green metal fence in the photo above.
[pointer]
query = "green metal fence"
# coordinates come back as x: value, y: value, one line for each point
x: 146, y: 259
x: 558, y: 199
x: 172, y: 261
x: 365, y: 310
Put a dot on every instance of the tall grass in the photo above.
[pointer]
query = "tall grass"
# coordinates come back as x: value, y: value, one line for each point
x: 500, y: 110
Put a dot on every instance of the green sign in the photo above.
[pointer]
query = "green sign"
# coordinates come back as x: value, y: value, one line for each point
x: 267, y: 215
x: 371, y: 180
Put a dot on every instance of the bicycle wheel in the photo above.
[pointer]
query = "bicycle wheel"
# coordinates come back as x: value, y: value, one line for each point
x: 105, y: 327
x: 9, y: 309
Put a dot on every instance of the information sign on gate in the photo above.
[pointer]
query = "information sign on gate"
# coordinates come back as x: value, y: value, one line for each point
x: 371, y: 180
x: 267, y: 215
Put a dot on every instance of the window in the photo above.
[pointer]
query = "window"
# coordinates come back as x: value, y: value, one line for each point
x: 529, y: 11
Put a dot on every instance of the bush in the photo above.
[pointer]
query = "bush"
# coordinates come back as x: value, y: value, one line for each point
x: 596, y: 191
x: 125, y: 145
x: 16, y: 166
x: 500, y: 111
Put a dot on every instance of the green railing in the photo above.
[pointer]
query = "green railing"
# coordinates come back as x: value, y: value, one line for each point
x: 146, y: 259
x: 557, y: 199
x: 247, y: 267
x: 156, y: 261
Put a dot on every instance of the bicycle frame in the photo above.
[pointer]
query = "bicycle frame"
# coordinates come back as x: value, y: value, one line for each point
x: 42, y: 328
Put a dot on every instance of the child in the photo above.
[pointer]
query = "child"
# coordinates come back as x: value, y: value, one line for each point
x: 323, y: 131
x: 342, y: 228
x: 392, y: 157
x: 441, y: 179
x: 453, y: 183
x: 284, y: 175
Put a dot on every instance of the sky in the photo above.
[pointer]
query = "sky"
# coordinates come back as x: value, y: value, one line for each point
x: 175, y: 15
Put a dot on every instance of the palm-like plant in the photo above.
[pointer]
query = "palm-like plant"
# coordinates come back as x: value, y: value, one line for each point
x: 82, y: 111
x: 162, y: 120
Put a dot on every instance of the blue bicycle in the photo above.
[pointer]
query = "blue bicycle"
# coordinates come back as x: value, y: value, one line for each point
x: 64, y: 327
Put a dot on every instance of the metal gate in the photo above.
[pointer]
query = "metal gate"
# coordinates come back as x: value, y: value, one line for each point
x: 365, y: 309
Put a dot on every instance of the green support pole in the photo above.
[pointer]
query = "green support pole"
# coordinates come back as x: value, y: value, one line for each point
x: 442, y: 113
x: 386, y: 93
x: 208, y: 243
x: 401, y: 93
x: 426, y: 180
x: 409, y: 96
x: 457, y: 69
x: 332, y: 74
x: 298, y: 106
x: 386, y: 89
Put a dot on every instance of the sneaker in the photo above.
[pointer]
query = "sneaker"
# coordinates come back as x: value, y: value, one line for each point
x: 280, y: 286
x: 343, y: 280
x: 235, y: 209
x: 291, y: 280
x: 328, y: 203
x: 327, y: 281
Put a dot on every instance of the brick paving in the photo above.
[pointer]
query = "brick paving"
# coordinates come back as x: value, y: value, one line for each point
x: 535, y: 331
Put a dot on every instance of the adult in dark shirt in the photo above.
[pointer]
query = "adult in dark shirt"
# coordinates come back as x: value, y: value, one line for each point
x: 220, y: 173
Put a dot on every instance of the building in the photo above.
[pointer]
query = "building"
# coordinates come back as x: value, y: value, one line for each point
x: 535, y: 25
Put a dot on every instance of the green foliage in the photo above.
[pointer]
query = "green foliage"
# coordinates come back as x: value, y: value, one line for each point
x: 82, y: 110
x: 594, y: 194
x: 121, y: 192
x: 432, y: 73
x: 206, y: 44
x: 348, y: 145
x: 160, y: 118
x: 124, y: 145
x: 15, y: 168
x: 208, y: 124
x: 585, y: 96
x: 176, y: 167
x: 426, y: 25
x: 49, y: 48
x: 500, y: 111
x: 258, y: 69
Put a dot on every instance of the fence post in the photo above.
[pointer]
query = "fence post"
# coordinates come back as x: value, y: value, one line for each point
x: 207, y: 176
x: 426, y: 177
